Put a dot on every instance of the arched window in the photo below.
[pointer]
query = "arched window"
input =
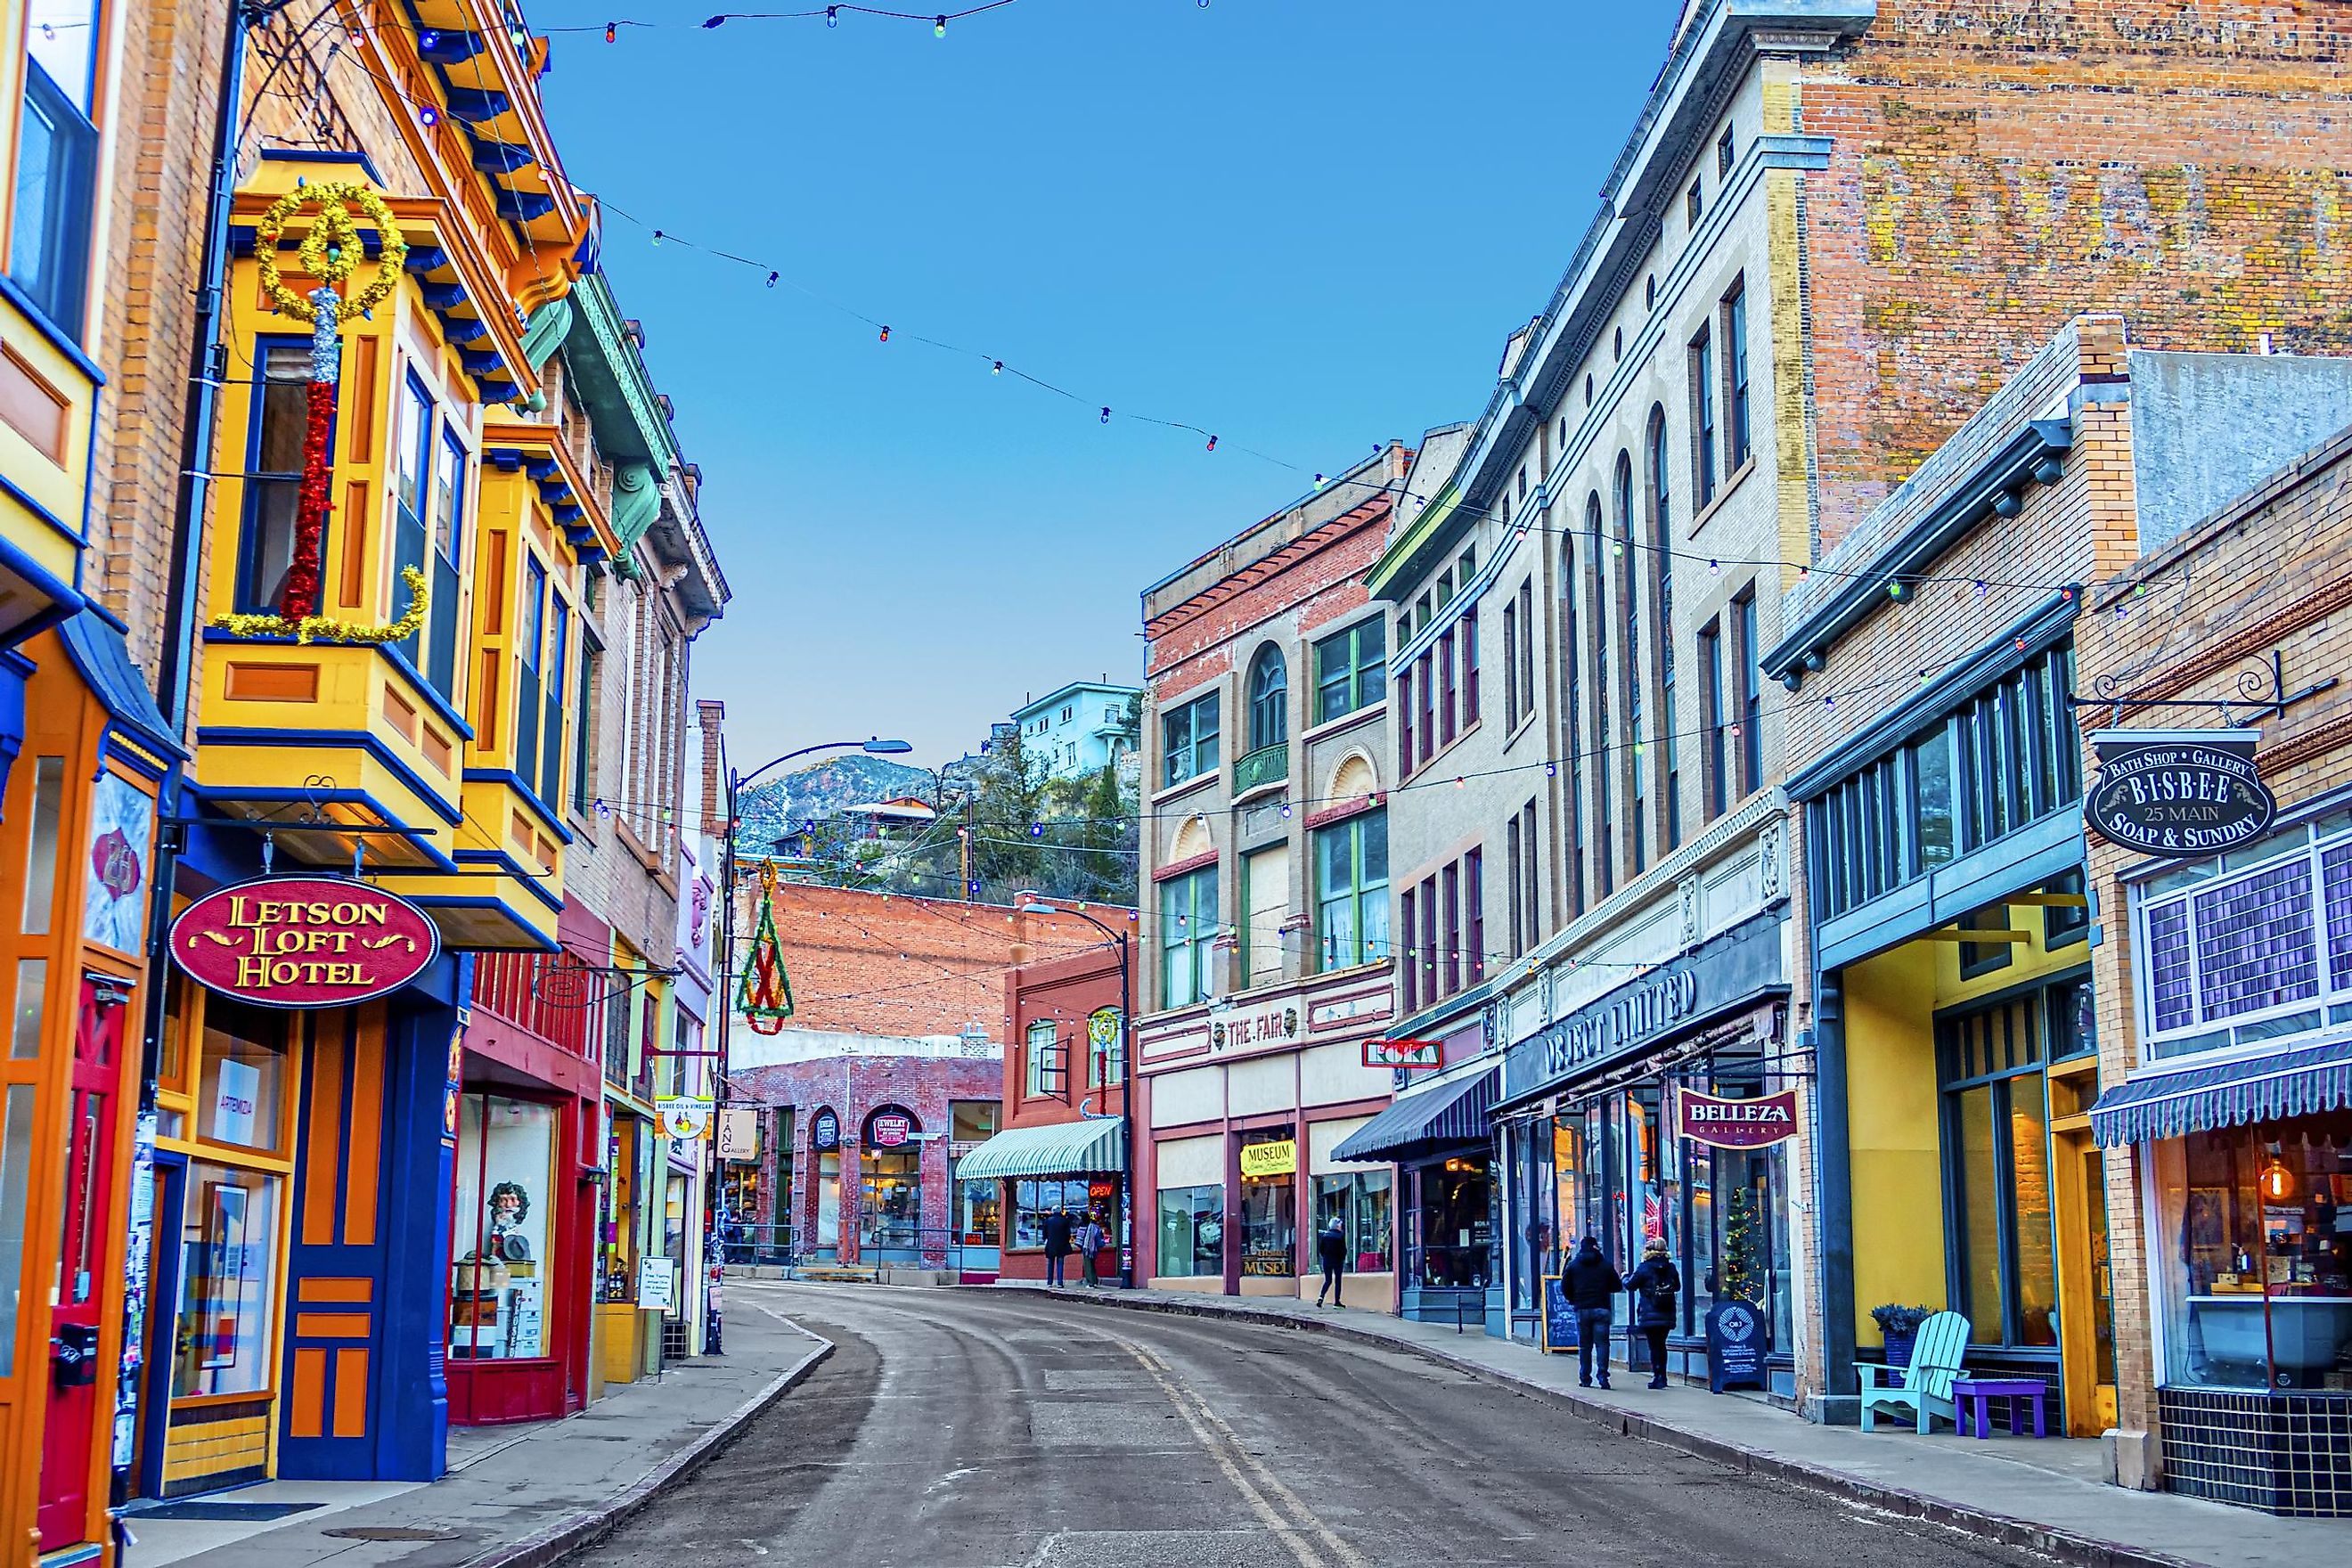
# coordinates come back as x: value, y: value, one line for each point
x: 1604, y: 843
x: 1269, y: 704
x: 1624, y: 761
x: 1572, y: 709
x: 1662, y: 637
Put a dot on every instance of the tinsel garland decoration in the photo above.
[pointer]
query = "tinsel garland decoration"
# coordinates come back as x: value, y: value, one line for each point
x: 330, y: 251
x: 766, y: 999
x: 326, y: 628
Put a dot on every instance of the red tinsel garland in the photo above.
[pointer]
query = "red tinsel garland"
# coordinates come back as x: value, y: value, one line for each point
x: 300, y: 598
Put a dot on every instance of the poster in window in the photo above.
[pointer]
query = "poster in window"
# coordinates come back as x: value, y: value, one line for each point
x: 220, y: 1280
x: 236, y: 1102
x: 121, y: 821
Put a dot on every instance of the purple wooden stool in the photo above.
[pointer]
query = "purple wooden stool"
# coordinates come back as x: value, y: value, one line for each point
x: 1985, y: 1390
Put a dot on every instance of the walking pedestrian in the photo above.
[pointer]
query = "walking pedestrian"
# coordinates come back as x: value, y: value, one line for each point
x: 1592, y: 1283
x: 1654, y: 1288
x: 1059, y: 1231
x: 1332, y: 1251
x: 1092, y: 1239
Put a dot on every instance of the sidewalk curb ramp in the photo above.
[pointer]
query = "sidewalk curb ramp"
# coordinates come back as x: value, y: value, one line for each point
x: 584, y: 1528
x: 2063, y: 1545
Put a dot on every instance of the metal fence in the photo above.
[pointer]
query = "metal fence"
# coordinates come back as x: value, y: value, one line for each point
x: 784, y: 1246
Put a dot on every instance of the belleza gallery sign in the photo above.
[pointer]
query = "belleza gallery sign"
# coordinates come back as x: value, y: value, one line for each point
x: 303, y: 942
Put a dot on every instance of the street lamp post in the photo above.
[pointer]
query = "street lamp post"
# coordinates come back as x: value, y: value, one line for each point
x: 1118, y: 940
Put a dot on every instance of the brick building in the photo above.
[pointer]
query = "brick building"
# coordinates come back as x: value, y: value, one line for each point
x: 1963, y: 945
x: 1265, y: 926
x: 890, y: 1064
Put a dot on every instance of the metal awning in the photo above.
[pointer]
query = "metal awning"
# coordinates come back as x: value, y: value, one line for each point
x: 2294, y: 1082
x: 1072, y: 1148
x: 1453, y: 1112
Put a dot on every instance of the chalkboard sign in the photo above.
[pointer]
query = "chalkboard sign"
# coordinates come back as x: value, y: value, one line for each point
x: 1735, y: 1346
x: 1558, y: 1316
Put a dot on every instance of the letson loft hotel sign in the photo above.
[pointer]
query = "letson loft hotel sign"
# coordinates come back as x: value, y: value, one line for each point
x: 303, y: 942
x: 2179, y: 792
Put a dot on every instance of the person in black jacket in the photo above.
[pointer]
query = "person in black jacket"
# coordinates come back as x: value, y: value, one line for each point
x: 1654, y: 1288
x: 1059, y: 1228
x: 1592, y: 1283
x: 1332, y: 1251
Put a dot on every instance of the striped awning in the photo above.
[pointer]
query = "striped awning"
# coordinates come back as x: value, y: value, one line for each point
x: 2296, y: 1082
x: 1424, y: 1119
x: 1086, y: 1148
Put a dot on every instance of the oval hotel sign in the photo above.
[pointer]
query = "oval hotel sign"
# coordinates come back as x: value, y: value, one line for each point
x: 2179, y: 792
x: 303, y: 942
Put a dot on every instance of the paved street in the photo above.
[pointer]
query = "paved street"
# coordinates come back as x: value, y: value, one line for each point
x: 956, y: 1430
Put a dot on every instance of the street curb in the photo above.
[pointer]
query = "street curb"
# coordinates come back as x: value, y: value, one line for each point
x: 583, y: 1529
x: 2063, y: 1545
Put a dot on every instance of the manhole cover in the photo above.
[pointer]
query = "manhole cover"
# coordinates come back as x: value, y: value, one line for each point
x: 390, y: 1533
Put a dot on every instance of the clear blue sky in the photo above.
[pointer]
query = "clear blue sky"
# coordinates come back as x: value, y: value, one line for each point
x: 1307, y: 225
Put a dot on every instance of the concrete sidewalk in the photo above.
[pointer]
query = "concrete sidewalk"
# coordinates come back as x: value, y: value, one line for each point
x: 2048, y: 1495
x: 515, y: 1497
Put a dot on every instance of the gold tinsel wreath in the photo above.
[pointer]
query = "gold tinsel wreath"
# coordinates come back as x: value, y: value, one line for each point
x: 330, y: 251
x: 326, y: 628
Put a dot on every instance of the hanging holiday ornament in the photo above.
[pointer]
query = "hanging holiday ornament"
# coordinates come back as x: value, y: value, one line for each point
x: 766, y: 998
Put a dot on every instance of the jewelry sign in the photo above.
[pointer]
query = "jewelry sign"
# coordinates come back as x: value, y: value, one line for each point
x: 303, y: 942
x: 2179, y: 792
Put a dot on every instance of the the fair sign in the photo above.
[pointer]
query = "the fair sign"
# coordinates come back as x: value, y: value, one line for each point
x: 1738, y: 1123
x: 303, y: 942
x: 1265, y: 1023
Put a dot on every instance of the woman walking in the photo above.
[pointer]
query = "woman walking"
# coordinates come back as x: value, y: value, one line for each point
x: 1654, y: 1288
x: 1332, y: 1251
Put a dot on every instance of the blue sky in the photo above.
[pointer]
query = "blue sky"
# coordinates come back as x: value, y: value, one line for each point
x: 1307, y: 225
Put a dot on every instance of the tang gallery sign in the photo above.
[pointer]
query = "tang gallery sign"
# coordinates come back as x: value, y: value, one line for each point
x: 2179, y: 792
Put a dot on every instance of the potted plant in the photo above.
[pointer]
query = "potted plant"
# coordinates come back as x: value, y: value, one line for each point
x: 1900, y: 1326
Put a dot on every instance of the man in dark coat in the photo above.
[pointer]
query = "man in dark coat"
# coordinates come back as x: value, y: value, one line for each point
x: 1654, y: 1288
x: 1592, y: 1283
x: 1331, y: 1252
x: 1058, y: 1229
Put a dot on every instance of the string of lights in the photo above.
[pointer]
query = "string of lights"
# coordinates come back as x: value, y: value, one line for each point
x: 830, y: 15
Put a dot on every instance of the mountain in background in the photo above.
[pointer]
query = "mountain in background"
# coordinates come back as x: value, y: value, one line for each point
x: 820, y: 793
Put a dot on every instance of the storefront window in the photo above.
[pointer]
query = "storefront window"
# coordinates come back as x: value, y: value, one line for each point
x: 1270, y: 1207
x: 229, y: 1267
x: 890, y: 1213
x: 1034, y: 1198
x: 828, y: 1198
x: 1456, y: 1224
x: 619, y: 1264
x: 2256, y: 1246
x: 16, y: 1174
x: 1568, y: 1186
x: 1192, y: 1232
x: 977, y: 1208
x: 498, y: 1284
x: 1997, y: 1135
x: 1531, y: 1209
x: 243, y: 1079
x: 1359, y: 1202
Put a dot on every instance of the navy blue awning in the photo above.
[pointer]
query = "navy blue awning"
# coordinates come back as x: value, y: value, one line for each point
x: 2295, y: 1082
x: 94, y: 641
x: 1424, y: 1119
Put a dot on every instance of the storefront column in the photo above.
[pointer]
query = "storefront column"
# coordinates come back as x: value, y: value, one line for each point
x: 1841, y: 1401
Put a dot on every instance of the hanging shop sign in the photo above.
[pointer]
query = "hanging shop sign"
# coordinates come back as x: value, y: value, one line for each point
x: 888, y: 1128
x: 2179, y: 792
x: 303, y: 942
x: 1279, y: 1158
x: 685, y: 1118
x: 738, y: 1134
x: 825, y: 1131
x: 1733, y: 969
x: 1738, y: 1123
x: 1406, y: 1056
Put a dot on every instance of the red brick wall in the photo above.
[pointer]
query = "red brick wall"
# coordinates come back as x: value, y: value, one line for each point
x: 1064, y: 990
x: 1318, y: 577
x: 2000, y: 166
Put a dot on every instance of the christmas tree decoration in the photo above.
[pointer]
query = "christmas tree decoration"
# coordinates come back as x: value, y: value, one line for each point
x: 1737, y: 1277
x: 766, y: 999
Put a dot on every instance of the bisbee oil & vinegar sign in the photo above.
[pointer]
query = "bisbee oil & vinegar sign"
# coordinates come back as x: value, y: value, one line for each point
x: 303, y: 942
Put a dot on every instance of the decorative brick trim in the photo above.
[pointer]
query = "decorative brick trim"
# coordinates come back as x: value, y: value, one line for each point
x: 1175, y: 869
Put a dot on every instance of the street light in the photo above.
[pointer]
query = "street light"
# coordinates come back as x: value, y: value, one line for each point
x: 1119, y: 939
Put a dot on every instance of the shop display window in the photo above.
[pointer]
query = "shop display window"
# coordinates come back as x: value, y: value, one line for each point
x: 228, y: 1282
x: 241, y: 1094
x: 1269, y: 1211
x: 890, y: 1213
x: 1997, y: 1183
x: 15, y: 1175
x: 617, y: 1268
x: 1455, y: 1224
x: 978, y: 1208
x: 2254, y: 1248
x: 1034, y: 1198
x: 828, y: 1198
x: 1361, y: 1202
x: 499, y: 1280
x: 1535, y: 1247
x: 1192, y: 1231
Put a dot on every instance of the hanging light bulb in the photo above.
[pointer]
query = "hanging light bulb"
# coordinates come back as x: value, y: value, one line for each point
x: 1714, y: 567
x: 997, y: 368
x: 832, y: 15
x: 2278, y: 1182
x: 885, y: 334
x: 1894, y: 590
x: 1981, y: 588
x: 428, y: 117
x: 772, y: 278
x: 428, y: 40
x: 1105, y: 418
x: 1318, y: 481
x: 938, y: 26
x: 657, y: 236
x: 611, y: 32
x: 1212, y: 443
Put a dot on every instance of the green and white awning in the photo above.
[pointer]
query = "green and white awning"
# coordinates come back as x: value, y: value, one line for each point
x: 1096, y: 1145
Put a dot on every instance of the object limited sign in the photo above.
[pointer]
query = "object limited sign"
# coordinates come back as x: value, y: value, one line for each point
x: 303, y: 942
x: 1279, y: 1158
x: 1407, y: 1055
x: 684, y: 1117
x: 889, y: 1130
x: 2179, y: 792
x: 1740, y: 1123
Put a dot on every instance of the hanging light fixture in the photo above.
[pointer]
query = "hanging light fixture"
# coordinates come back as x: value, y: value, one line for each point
x: 2278, y: 1182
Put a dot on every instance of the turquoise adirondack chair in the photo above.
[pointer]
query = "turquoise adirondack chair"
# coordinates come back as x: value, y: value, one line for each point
x: 1927, y: 1386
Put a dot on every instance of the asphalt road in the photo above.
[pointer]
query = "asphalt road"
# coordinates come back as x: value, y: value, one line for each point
x: 953, y: 1429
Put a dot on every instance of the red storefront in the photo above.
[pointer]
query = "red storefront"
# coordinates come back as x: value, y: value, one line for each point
x: 524, y: 1193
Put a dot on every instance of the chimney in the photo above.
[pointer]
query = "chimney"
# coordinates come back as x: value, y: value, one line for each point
x: 712, y: 715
